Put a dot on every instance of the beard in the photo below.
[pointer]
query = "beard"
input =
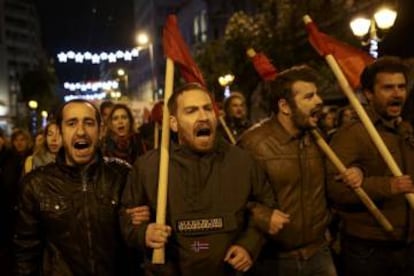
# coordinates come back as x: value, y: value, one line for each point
x: 301, y: 119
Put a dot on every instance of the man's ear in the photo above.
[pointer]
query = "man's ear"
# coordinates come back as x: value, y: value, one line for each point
x: 284, y: 106
x: 173, y: 123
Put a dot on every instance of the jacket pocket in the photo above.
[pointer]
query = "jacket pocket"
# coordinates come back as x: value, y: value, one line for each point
x: 57, y: 214
x: 107, y: 207
x: 54, y: 207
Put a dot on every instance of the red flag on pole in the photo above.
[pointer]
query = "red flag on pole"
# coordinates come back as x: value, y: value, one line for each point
x: 262, y: 64
x: 176, y: 49
x: 351, y: 60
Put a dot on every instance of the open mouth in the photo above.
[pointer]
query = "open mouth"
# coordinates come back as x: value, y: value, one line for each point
x: 316, y: 113
x: 203, y: 132
x: 396, y: 103
x: 81, y: 145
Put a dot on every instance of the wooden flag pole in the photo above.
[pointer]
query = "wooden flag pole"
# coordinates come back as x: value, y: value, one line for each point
x: 226, y: 129
x: 359, y: 191
x: 372, y: 131
x: 156, y: 135
x: 158, y: 256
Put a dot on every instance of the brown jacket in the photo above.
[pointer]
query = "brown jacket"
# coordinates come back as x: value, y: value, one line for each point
x: 295, y: 168
x: 355, y: 148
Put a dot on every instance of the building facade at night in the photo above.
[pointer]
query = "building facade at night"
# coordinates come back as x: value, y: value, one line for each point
x: 20, y: 51
x: 199, y: 20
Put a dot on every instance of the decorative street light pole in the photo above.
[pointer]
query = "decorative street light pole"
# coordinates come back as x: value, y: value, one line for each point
x: 371, y: 31
x: 225, y: 81
x: 144, y: 40
x: 122, y: 74
x: 44, y: 115
x: 33, y: 116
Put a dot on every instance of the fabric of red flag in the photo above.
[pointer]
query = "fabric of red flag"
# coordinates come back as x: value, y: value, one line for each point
x: 176, y: 49
x: 264, y: 67
x: 351, y: 60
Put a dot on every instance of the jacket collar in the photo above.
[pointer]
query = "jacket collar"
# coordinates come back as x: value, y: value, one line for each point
x: 219, y: 147
x: 76, y: 171
x: 283, y: 135
x: 378, y: 120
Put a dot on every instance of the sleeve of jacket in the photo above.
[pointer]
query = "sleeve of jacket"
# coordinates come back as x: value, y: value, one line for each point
x: 261, y: 213
x: 253, y: 238
x: 27, y: 240
x: 133, y: 196
x: 352, y: 147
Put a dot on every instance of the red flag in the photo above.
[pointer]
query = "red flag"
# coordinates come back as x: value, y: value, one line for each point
x: 176, y: 49
x: 351, y: 60
x: 262, y: 64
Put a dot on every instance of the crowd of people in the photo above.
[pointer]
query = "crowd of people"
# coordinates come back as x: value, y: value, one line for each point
x: 265, y: 202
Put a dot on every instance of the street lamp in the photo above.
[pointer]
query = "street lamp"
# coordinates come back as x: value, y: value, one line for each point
x: 144, y: 40
x: 116, y: 95
x: 44, y: 115
x: 225, y: 81
x: 122, y: 74
x: 33, y: 116
x: 368, y: 30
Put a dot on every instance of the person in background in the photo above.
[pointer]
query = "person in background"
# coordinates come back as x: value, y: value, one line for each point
x: 5, y: 253
x: 235, y: 111
x: 345, y: 116
x: 366, y: 248
x: 4, y: 150
x: 295, y: 168
x: 105, y: 109
x: 148, y: 129
x: 122, y: 140
x: 210, y: 184
x: 21, y: 147
x: 67, y: 221
x: 327, y: 122
x: 45, y: 153
x: 39, y: 139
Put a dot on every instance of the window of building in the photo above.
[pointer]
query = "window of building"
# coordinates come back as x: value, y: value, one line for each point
x: 200, y: 27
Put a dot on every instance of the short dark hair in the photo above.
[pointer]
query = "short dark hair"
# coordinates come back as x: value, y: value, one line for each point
x: 129, y: 114
x: 281, y: 87
x: 105, y: 104
x: 172, y: 101
x: 59, y: 114
x: 386, y: 64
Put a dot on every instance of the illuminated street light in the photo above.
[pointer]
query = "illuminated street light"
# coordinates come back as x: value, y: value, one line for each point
x: 44, y: 115
x: 368, y: 30
x: 122, y: 74
x: 144, y: 40
x: 33, y: 116
x: 32, y: 104
x: 225, y: 81
x: 116, y: 95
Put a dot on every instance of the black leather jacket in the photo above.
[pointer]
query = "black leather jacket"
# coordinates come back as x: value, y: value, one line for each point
x: 67, y: 221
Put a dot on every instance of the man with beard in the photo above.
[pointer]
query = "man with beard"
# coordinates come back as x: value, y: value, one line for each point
x: 209, y: 185
x: 366, y: 248
x: 295, y: 168
x: 67, y: 221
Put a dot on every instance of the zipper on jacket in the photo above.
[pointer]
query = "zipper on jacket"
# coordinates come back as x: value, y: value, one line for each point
x: 302, y: 185
x: 88, y: 222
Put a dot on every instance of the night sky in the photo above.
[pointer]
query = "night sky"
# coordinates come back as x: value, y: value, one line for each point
x: 87, y: 25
